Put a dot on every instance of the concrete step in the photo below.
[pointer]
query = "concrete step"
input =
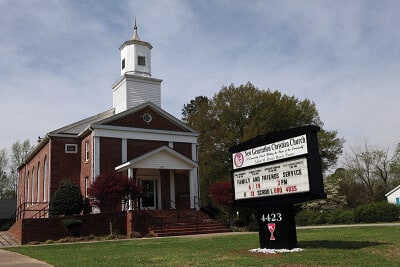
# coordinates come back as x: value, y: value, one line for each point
x: 6, y: 240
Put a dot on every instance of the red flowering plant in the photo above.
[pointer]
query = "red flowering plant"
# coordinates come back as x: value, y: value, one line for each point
x: 221, y: 193
x: 110, y: 189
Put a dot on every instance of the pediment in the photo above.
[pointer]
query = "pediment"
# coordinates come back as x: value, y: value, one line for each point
x: 161, y: 158
x: 147, y: 116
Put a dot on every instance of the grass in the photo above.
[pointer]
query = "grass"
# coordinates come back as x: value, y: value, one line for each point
x: 359, y: 246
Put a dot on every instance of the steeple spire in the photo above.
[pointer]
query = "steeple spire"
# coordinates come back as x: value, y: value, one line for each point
x: 135, y: 34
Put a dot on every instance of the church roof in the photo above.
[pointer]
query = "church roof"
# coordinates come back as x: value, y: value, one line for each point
x: 77, y: 127
x: 182, y: 126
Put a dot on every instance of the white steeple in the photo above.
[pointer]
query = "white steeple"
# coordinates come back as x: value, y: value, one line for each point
x: 136, y: 55
x: 136, y: 85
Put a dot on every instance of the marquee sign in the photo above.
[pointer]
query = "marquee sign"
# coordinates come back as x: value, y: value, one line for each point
x: 289, y: 177
x: 280, y: 165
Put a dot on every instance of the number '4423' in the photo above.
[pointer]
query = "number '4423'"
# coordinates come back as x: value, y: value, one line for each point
x: 271, y: 217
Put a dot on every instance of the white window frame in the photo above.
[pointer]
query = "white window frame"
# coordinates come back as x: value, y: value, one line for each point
x: 86, y: 151
x: 68, y: 148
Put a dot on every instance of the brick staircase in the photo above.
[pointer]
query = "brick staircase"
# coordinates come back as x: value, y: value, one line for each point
x: 183, y: 222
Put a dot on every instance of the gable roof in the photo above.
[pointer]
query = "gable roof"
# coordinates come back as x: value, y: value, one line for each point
x: 77, y: 127
x: 392, y: 191
x: 161, y: 158
x: 154, y: 108
x: 81, y: 127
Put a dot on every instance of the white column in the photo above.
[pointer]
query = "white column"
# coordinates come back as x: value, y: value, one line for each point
x: 130, y: 201
x: 172, y: 188
x: 96, y: 157
x: 193, y: 187
x: 124, y: 150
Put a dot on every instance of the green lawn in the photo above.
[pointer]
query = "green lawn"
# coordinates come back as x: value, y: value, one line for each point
x: 359, y: 246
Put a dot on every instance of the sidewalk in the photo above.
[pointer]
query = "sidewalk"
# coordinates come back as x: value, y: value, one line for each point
x: 11, y: 259
x: 8, y: 258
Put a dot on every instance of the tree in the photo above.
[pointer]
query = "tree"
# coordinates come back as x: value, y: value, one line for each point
x: 373, y: 170
x: 19, y: 152
x: 236, y: 114
x: 8, y: 168
x: 109, y: 190
x: 221, y: 192
x: 395, y: 166
x: 3, y: 174
x: 67, y: 200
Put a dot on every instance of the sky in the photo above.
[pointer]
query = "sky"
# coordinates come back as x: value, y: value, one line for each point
x: 60, y: 58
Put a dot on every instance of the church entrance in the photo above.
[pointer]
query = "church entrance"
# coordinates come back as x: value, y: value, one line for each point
x: 150, y: 181
x: 149, y: 189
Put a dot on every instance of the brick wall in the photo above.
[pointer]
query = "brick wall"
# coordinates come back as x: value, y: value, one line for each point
x: 29, y: 230
x: 110, y: 154
x: 157, y: 122
x: 86, y: 165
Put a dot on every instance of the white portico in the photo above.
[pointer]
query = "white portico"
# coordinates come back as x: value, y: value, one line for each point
x: 148, y: 169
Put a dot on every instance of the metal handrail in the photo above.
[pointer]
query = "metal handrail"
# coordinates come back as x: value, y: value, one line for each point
x: 201, y: 204
x: 22, y: 208
x: 151, y: 216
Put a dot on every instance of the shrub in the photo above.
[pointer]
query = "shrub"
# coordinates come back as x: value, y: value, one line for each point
x: 73, y: 226
x: 67, y: 200
x: 343, y: 216
x: 306, y: 217
x: 377, y: 212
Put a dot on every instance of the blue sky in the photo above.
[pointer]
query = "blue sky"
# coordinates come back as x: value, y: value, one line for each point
x: 59, y: 59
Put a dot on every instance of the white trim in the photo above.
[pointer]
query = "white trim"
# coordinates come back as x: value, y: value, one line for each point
x: 68, y: 148
x: 155, y: 108
x: 147, y: 174
x: 392, y: 191
x: 96, y: 157
x: 144, y: 160
x: 145, y: 135
x: 194, y: 152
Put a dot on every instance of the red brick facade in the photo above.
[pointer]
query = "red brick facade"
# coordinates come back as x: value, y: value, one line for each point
x: 81, y: 151
x: 62, y: 156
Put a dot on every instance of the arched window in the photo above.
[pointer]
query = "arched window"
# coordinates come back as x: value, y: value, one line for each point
x: 33, y: 185
x: 45, y: 180
x: 38, y: 178
x: 28, y: 188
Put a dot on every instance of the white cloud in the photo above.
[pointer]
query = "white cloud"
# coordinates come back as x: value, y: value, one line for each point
x: 60, y: 58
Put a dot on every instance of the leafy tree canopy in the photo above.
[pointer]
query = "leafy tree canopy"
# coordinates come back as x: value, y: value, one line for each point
x: 221, y: 192
x: 236, y: 114
x: 9, y: 163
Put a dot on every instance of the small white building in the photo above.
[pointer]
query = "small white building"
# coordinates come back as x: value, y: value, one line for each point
x: 393, y: 196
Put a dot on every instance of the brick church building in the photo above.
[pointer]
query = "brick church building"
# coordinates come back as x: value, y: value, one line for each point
x: 136, y: 137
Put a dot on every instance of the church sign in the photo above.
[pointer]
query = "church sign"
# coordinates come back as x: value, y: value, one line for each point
x: 271, y: 173
x: 280, y: 165
x: 289, y: 177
